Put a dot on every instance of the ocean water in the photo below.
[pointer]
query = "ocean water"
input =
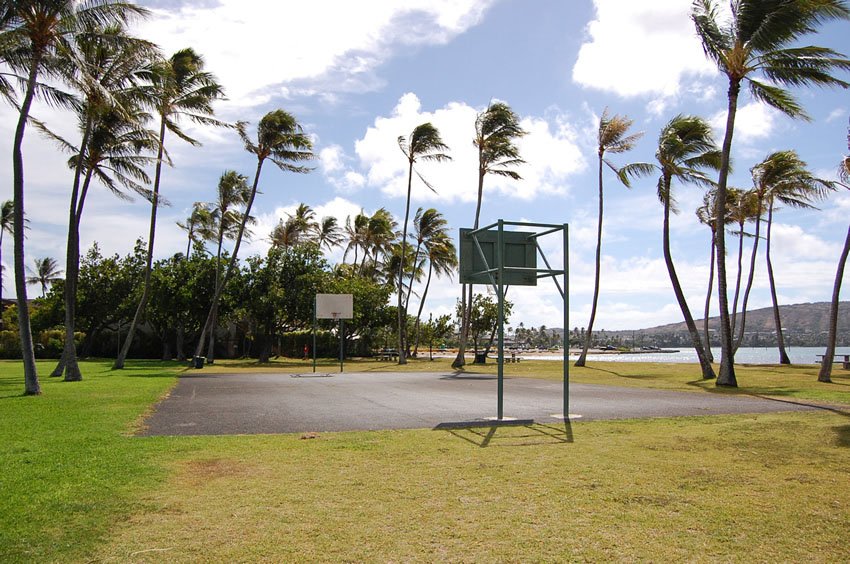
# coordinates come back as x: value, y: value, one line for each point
x: 745, y: 355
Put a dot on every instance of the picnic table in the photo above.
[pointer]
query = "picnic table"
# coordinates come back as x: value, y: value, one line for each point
x: 386, y: 355
x: 513, y: 358
x: 844, y: 359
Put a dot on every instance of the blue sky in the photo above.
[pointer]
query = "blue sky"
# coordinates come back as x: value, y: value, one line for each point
x: 359, y: 74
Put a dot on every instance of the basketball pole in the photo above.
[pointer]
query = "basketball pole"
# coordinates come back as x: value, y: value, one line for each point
x: 341, y: 343
x: 314, y: 333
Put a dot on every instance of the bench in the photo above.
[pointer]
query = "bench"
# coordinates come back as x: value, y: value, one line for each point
x: 513, y: 358
x: 844, y: 359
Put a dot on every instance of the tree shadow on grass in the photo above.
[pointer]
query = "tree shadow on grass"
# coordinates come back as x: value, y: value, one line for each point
x: 509, y: 433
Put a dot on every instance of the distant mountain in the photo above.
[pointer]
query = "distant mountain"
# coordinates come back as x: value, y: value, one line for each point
x: 803, y: 325
x: 798, y: 318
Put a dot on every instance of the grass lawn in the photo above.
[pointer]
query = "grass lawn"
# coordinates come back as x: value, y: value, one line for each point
x: 76, y: 486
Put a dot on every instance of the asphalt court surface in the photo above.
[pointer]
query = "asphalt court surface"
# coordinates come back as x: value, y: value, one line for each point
x: 226, y: 404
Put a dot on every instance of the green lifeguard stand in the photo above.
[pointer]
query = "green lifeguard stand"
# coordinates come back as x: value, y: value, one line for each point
x: 491, y: 255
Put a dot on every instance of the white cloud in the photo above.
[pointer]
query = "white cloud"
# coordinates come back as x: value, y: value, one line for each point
x: 550, y: 150
x: 640, y: 48
x: 835, y: 114
x: 753, y: 121
x: 255, y: 47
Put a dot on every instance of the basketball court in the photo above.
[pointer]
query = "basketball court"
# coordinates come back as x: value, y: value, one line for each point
x: 227, y: 404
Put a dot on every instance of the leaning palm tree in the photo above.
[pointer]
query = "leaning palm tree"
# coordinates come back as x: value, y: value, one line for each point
x: 182, y: 89
x: 7, y: 220
x: 108, y: 73
x: 784, y: 179
x: 442, y: 261
x: 354, y: 232
x: 33, y: 32
x: 825, y: 372
x: 686, y: 149
x: 761, y: 37
x: 45, y: 273
x: 496, y: 131
x: 280, y: 139
x: 232, y: 194
x: 611, y: 138
x: 425, y: 144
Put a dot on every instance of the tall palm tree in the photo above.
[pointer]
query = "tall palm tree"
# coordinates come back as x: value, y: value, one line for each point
x: 705, y: 214
x: 280, y: 139
x: 199, y: 226
x: 182, y: 89
x: 783, y: 178
x: 496, y: 131
x: 425, y: 144
x: 108, y: 72
x: 685, y: 149
x: 611, y: 138
x: 761, y: 38
x: 32, y: 35
x: 232, y: 194
x: 45, y: 273
x: 825, y: 372
x: 7, y: 220
x: 378, y: 236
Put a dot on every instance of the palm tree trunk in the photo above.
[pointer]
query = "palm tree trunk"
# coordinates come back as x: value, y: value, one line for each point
x: 211, y: 345
x: 140, y: 309
x: 727, y: 352
x: 582, y: 359
x: 31, y: 384
x: 68, y: 362
x: 402, y: 307
x: 780, y: 338
x: 466, y: 304
x: 232, y: 264
x: 421, y: 307
x: 705, y: 365
x: 738, y: 277
x: 750, y: 278
x: 826, y: 367
x: 707, y: 335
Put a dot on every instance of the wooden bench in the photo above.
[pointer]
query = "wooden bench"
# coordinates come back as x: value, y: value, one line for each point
x: 844, y: 359
x: 513, y: 358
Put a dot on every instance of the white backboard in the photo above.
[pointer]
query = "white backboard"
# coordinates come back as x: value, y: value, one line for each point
x: 334, y: 306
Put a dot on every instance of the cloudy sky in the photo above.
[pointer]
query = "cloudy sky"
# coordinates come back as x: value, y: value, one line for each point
x: 359, y: 74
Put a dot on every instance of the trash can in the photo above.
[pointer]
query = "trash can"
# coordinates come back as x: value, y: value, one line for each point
x: 198, y: 361
x: 480, y: 358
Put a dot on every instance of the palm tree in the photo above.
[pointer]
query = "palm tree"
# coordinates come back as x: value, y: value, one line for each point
x: 705, y: 214
x: 7, y: 219
x: 496, y: 130
x: 685, y: 148
x: 611, y: 138
x: 783, y: 178
x: 327, y: 233
x: 232, y: 193
x: 109, y: 67
x: 182, y: 89
x: 425, y: 145
x: 199, y: 226
x: 354, y: 233
x: 378, y: 236
x: 761, y: 38
x: 825, y: 372
x: 46, y: 272
x: 280, y: 139
x: 441, y: 255
x: 32, y: 35
x: 742, y: 207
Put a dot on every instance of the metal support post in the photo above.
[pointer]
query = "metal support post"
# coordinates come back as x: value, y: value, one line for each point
x: 501, y: 321
x: 566, y: 324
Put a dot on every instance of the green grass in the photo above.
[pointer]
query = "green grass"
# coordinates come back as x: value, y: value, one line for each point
x: 75, y: 486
